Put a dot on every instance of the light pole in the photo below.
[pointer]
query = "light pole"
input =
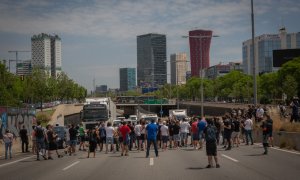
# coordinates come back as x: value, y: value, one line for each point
x: 200, y: 37
x: 253, y: 54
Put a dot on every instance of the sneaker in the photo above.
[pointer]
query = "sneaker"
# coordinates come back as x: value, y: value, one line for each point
x: 126, y: 154
x: 208, y: 166
x: 217, y: 165
x: 44, y: 157
x: 50, y: 158
x: 122, y: 154
x: 265, y: 153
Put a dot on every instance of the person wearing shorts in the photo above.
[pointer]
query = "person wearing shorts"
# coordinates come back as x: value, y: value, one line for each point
x: 211, y: 143
x: 109, y: 137
x: 176, y: 136
x: 164, y: 135
x: 194, y: 133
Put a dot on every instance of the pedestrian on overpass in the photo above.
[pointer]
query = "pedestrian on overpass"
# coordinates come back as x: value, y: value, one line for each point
x: 210, y: 132
x: 151, y: 131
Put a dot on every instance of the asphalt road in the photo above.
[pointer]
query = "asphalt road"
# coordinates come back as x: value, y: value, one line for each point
x: 245, y: 162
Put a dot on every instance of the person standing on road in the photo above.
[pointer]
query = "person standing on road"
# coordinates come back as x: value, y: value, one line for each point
x: 201, y: 126
x: 143, y: 134
x: 8, y: 141
x: 267, y: 126
x: 73, y: 139
x: 109, y: 137
x: 82, y: 138
x: 248, y: 125
x: 24, y: 138
x: 125, y: 130
x: 151, y: 131
x: 92, y: 138
x: 40, y: 141
x: 184, y: 130
x: 236, y: 132
x: 164, y: 135
x: 102, y: 134
x: 33, y: 139
x: 137, y: 131
x: 176, y: 135
x: 211, y: 144
x: 194, y: 133
x: 171, y: 133
x: 228, y: 131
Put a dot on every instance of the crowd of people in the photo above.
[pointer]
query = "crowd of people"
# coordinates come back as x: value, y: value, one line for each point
x: 231, y: 130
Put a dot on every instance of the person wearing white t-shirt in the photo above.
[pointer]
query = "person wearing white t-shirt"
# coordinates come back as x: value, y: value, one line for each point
x: 137, y: 131
x: 164, y: 130
x: 248, y: 124
x: 184, y: 130
x: 109, y: 137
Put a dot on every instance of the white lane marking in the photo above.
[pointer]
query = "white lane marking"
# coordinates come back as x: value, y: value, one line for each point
x: 73, y: 164
x: 2, y: 165
x: 230, y: 158
x: 278, y: 149
x: 151, y: 161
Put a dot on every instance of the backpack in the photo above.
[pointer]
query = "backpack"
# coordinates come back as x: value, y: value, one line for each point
x: 210, y: 135
x: 39, y: 133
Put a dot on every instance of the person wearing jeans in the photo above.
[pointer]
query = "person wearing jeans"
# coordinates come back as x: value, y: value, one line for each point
x: 151, y: 131
x: 248, y: 130
x: 8, y: 139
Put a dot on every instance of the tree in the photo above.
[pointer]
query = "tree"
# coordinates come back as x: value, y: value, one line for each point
x: 289, y: 86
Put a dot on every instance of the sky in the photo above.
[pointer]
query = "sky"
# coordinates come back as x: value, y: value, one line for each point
x: 99, y: 36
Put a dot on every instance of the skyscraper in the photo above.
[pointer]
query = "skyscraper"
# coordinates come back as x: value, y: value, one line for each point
x: 178, y: 68
x: 127, y: 79
x: 199, y: 50
x: 264, y: 46
x: 151, y: 60
x: 46, y: 53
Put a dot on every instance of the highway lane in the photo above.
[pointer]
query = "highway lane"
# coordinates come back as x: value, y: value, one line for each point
x: 245, y: 162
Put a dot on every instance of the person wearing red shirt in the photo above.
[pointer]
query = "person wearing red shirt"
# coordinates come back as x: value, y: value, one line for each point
x: 194, y: 132
x: 125, y: 130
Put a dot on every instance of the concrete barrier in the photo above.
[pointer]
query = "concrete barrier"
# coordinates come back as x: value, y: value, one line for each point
x: 64, y: 110
x: 288, y: 140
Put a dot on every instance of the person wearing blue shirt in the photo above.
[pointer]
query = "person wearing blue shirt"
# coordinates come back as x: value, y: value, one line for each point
x: 151, y: 131
x: 201, y: 126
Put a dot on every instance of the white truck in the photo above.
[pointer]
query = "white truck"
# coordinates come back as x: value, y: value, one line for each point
x: 148, y: 117
x: 178, y: 114
x: 97, y: 110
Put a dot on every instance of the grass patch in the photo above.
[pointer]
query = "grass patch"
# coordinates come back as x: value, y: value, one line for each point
x: 44, y: 116
x: 283, y: 124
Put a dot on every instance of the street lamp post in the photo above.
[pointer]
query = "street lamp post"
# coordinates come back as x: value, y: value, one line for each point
x: 201, y: 78
x: 253, y: 54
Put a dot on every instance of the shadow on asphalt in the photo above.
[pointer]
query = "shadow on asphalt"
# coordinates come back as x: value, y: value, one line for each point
x: 255, y: 154
x: 195, y: 168
x: 140, y: 157
x: 190, y: 150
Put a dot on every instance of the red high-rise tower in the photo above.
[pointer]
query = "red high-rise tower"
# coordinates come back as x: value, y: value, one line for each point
x: 199, y: 43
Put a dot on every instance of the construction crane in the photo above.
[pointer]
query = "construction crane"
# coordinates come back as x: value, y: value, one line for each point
x: 14, y: 60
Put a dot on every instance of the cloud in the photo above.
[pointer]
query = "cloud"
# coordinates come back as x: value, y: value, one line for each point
x: 124, y: 19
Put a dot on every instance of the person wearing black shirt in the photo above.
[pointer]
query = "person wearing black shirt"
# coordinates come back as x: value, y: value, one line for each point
x: 24, y: 139
x: 73, y: 139
x: 236, y: 131
x: 176, y: 136
x: 267, y: 127
x: 227, y: 131
x: 171, y: 137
